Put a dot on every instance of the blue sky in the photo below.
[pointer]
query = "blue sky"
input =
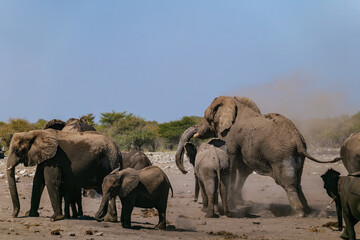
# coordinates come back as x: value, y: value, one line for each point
x: 163, y: 60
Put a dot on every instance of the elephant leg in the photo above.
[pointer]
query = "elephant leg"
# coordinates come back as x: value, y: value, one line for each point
x: 126, y: 210
x: 66, y: 206
x: 52, y: 175
x: 73, y: 209
x: 197, y: 188
x: 79, y: 203
x: 286, y: 176
x: 303, y: 200
x: 237, y: 165
x: 211, y: 187
x: 223, y: 193
x: 350, y: 221
x: 162, y: 216
x: 111, y: 215
x: 204, y: 196
x: 37, y: 190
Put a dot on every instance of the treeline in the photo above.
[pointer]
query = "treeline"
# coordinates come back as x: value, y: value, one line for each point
x: 126, y: 129
x: 133, y: 132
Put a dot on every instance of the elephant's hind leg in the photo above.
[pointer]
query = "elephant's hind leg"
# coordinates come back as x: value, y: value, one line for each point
x: 286, y: 176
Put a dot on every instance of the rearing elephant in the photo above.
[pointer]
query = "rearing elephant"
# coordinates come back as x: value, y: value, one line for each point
x: 268, y: 144
x: 79, y: 159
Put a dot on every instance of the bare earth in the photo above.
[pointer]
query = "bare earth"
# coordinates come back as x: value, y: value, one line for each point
x: 266, y: 216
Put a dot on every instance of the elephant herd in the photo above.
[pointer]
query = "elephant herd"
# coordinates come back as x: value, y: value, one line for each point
x: 72, y: 155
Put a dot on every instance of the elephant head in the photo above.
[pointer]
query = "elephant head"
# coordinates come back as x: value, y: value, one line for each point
x: 331, y: 181
x: 218, y: 119
x: 117, y: 183
x: 30, y: 148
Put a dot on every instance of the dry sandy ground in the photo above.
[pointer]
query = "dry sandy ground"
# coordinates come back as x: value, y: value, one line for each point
x: 266, y: 216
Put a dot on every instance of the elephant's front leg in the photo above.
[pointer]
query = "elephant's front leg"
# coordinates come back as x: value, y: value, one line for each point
x: 127, y: 207
x: 52, y: 175
x: 37, y: 189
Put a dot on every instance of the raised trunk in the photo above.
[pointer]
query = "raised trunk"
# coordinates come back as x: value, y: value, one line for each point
x: 179, y: 156
x: 99, y: 216
x: 12, y: 186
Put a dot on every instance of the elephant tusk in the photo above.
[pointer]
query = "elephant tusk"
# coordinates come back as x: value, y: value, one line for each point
x: 196, y: 135
x: 9, y: 168
x: 331, y: 202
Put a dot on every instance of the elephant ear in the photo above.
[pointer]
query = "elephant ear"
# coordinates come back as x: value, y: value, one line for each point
x: 43, y: 146
x: 191, y: 152
x: 130, y: 179
x: 222, y: 113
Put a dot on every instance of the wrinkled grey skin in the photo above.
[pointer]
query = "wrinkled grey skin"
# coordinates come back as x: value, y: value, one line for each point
x: 350, y: 153
x: 269, y: 144
x: 211, y: 164
x: 146, y: 188
x: 135, y: 159
x: 77, y: 159
x: 345, y: 190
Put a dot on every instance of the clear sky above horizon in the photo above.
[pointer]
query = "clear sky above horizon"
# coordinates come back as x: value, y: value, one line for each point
x: 163, y: 60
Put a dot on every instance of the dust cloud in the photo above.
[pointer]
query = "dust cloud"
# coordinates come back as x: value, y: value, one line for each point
x: 300, y: 97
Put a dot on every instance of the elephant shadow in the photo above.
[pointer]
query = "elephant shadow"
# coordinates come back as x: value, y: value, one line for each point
x: 256, y: 210
x: 150, y: 226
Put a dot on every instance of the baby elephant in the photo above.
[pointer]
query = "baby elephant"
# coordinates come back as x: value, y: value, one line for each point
x: 211, y: 163
x: 146, y: 188
x: 345, y: 190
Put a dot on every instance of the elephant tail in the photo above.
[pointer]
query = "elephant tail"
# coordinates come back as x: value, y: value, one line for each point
x: 172, y: 192
x: 306, y: 154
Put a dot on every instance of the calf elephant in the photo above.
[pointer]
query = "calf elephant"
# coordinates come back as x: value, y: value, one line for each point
x: 268, y: 144
x: 79, y: 159
x: 147, y: 188
x: 211, y: 163
x: 345, y: 190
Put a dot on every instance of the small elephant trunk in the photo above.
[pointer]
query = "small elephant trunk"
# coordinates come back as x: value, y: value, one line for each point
x: 99, y: 216
x: 179, y: 155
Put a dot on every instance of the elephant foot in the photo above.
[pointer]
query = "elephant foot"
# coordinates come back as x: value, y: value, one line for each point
x: 344, y: 235
x: 161, y: 226
x: 126, y: 225
x: 211, y: 215
x: 195, y: 199
x: 228, y: 214
x: 204, y: 209
x: 57, y: 217
x: 32, y: 213
x: 299, y: 214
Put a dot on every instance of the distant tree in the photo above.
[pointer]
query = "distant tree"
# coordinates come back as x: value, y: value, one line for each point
x: 14, y: 126
x: 89, y: 119
x: 172, y: 131
x: 109, y: 119
x: 40, y: 123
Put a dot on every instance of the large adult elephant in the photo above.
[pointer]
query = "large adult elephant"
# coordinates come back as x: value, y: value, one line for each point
x: 269, y: 144
x: 78, y: 159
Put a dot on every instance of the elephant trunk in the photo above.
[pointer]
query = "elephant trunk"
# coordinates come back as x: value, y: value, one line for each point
x: 12, y: 185
x: 179, y: 156
x: 99, y: 216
